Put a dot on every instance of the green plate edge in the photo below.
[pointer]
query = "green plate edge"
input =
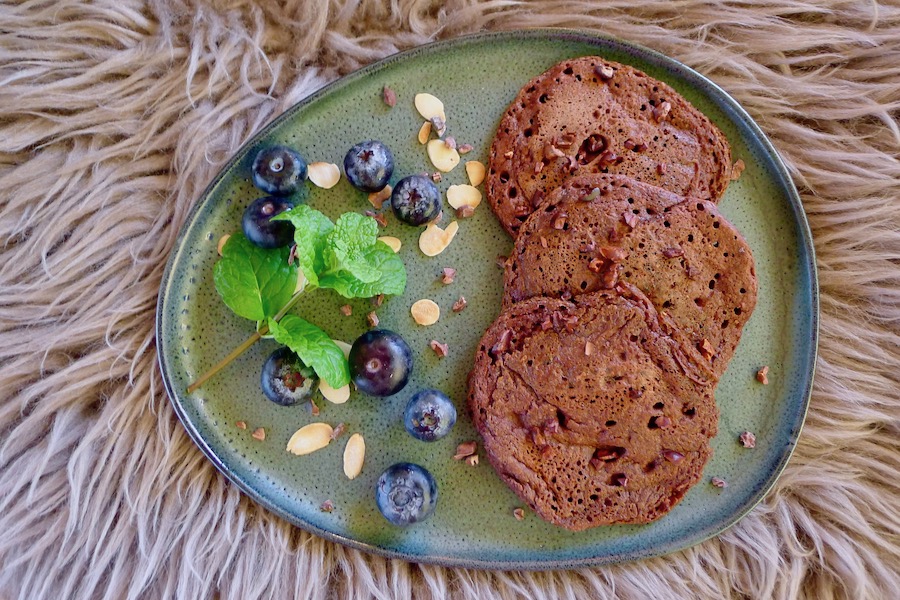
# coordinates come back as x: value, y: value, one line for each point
x: 748, y: 128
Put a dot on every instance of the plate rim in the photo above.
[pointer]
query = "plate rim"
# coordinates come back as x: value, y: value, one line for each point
x: 714, y: 93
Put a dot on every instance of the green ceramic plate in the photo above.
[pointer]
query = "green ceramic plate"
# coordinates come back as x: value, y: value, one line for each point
x: 473, y: 525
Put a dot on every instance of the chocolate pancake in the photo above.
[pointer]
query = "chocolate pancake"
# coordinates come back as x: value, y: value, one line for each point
x: 590, y: 115
x: 596, y: 230
x: 589, y: 411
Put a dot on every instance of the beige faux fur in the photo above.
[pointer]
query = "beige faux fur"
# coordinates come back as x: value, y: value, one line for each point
x: 115, y: 114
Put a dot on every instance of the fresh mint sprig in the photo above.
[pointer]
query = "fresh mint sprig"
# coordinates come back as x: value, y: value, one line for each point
x: 261, y: 285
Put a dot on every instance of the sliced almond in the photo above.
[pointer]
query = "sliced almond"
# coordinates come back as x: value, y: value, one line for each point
x: 354, y: 455
x: 310, y: 438
x: 301, y: 282
x: 425, y: 312
x: 429, y: 107
x: 463, y: 195
x: 392, y: 242
x: 344, y: 346
x: 435, y: 240
x: 424, y: 132
x: 221, y: 243
x: 325, y: 175
x: 443, y: 157
x: 475, y: 170
x: 334, y: 395
x: 377, y: 199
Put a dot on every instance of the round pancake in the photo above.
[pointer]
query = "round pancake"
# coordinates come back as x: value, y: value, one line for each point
x: 590, y: 115
x: 691, y: 263
x: 589, y: 411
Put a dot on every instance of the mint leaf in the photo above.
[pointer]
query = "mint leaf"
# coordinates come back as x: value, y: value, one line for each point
x: 314, y: 347
x: 391, y: 281
x: 253, y: 282
x: 353, y: 235
x: 311, y: 229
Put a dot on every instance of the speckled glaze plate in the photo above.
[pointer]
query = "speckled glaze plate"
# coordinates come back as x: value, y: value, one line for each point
x: 473, y: 525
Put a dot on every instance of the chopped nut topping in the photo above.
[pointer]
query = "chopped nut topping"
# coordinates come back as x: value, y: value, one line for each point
x: 619, y: 479
x: 588, y: 248
x: 748, y: 440
x: 719, y: 482
x: 466, y: 148
x: 551, y: 152
x: 536, y: 199
x: 292, y: 254
x: 500, y: 260
x: 338, y: 431
x: 519, y: 514
x: 615, y: 254
x: 447, y: 275
x: 538, y: 167
x: 221, y: 243
x: 377, y: 300
x: 559, y: 222
x: 324, y: 175
x: 543, y: 242
x: 464, y: 212
x: 565, y: 140
x: 425, y: 312
x: 604, y: 72
x: 313, y: 407
x: 673, y: 252
x: 762, y: 375
x: 630, y: 219
x: 609, y: 158
x: 327, y: 506
x: 610, y: 277
x: 661, y: 168
x: 672, y: 456
x: 508, y: 154
x: 450, y: 142
x: 662, y: 110
x: 372, y: 319
x: 346, y: 310
x: 736, y: 169
x: 440, y: 349
x: 460, y: 304
x: 662, y: 421
x: 241, y: 425
x: 465, y: 449
x: 502, y: 344
x: 377, y: 199
x: 706, y: 349
x: 437, y: 177
x: 588, y: 348
x: 596, y: 265
x: 389, y: 96
x: 379, y: 217
x: 259, y: 434
x: 472, y: 460
x: 439, y: 125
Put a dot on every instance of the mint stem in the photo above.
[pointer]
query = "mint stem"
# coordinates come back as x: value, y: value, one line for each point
x: 257, y: 335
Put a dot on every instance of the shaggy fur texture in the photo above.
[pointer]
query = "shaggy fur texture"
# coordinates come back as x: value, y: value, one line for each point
x: 115, y: 114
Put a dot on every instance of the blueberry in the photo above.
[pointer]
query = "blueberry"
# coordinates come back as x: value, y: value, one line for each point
x: 260, y: 229
x: 406, y: 493
x: 286, y: 380
x: 278, y: 170
x: 416, y: 200
x: 369, y: 165
x: 429, y: 415
x: 380, y: 362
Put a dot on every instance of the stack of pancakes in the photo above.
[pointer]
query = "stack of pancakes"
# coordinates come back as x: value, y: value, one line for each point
x: 625, y: 296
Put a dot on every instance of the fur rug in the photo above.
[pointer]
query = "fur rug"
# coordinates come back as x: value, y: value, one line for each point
x: 115, y: 114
